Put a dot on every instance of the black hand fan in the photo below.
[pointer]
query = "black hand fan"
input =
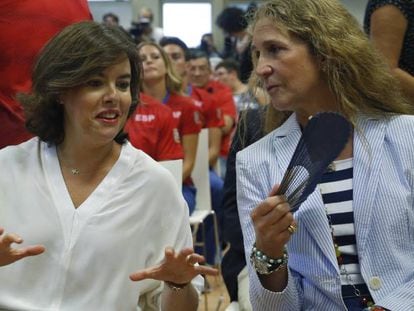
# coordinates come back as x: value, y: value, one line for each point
x: 322, y: 141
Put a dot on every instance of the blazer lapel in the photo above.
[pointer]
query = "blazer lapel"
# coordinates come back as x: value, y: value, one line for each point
x: 286, y: 138
x: 367, y: 157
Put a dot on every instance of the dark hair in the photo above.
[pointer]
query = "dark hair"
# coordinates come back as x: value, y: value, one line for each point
x: 230, y: 65
x: 197, y: 53
x: 67, y: 61
x: 231, y: 20
x: 111, y: 15
x: 175, y: 41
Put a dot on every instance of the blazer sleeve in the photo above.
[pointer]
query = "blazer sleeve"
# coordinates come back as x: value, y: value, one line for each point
x: 251, y: 190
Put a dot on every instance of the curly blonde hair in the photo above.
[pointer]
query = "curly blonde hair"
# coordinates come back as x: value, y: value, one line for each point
x: 356, y: 73
x: 172, y: 79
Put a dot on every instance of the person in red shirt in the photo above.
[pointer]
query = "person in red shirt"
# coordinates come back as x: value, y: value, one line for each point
x: 178, y: 52
x: 153, y: 129
x: 19, y: 48
x: 211, y: 115
x: 199, y: 75
x: 161, y: 82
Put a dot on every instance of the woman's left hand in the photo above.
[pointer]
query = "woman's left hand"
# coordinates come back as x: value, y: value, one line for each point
x: 178, y: 268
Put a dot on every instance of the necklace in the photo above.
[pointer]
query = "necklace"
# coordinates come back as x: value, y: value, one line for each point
x: 364, y: 298
x: 365, y: 301
x: 103, y: 167
x: 74, y: 171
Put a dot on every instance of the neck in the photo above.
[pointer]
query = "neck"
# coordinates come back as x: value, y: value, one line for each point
x: 185, y: 83
x: 90, y: 160
x: 323, y: 100
x: 157, y: 90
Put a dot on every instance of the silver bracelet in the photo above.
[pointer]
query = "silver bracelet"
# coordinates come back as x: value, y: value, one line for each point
x: 264, y: 264
x: 175, y: 287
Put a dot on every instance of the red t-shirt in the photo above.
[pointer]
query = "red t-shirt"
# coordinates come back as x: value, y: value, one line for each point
x: 153, y: 129
x: 223, y: 95
x: 25, y: 26
x: 187, y: 114
x: 211, y: 114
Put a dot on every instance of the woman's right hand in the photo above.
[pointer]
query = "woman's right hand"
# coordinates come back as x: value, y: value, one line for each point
x: 271, y: 219
x: 9, y: 255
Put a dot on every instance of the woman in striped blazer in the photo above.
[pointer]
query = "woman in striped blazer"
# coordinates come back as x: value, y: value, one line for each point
x: 350, y: 246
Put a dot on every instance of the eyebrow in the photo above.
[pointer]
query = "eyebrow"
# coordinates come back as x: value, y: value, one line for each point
x: 125, y: 76
x: 267, y: 43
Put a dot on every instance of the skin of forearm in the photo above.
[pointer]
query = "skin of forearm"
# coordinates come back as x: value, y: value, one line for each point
x: 189, y: 143
x: 228, y: 125
x: 214, y: 143
x: 185, y: 299
x: 212, y: 156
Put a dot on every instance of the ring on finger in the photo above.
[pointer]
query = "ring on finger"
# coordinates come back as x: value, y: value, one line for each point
x: 292, y: 228
x: 189, y: 261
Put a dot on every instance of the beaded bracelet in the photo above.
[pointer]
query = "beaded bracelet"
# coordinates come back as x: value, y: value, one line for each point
x: 266, y: 265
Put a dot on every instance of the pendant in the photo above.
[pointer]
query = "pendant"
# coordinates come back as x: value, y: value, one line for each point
x: 74, y: 171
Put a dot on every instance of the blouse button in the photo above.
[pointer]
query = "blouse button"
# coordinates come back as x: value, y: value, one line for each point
x: 375, y: 283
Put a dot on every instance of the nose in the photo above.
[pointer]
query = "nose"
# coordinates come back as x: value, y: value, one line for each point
x: 263, y: 69
x: 111, y: 94
x: 197, y: 72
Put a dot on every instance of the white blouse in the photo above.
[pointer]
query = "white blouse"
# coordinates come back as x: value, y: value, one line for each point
x: 124, y: 225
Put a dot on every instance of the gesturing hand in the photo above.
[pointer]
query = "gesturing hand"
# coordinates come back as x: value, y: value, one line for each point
x: 178, y: 268
x: 9, y: 255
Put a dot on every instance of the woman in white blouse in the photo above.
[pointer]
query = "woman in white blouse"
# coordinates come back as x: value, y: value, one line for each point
x: 84, y: 202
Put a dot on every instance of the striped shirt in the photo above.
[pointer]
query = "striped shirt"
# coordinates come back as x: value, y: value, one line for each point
x: 336, y: 189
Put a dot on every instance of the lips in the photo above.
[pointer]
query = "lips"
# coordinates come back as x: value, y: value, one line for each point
x: 108, y: 115
x: 271, y: 87
x: 149, y: 69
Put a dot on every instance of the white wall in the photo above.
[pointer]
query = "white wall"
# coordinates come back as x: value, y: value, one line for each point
x: 128, y: 11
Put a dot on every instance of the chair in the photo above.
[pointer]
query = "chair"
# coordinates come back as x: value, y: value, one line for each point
x: 176, y: 169
x: 203, y: 210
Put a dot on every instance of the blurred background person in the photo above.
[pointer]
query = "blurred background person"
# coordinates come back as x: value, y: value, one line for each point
x: 20, y: 47
x: 232, y: 21
x: 390, y: 26
x: 200, y: 75
x: 228, y: 73
x: 143, y: 30
x: 207, y: 45
x: 211, y: 118
x: 110, y: 19
x: 153, y: 129
x: 162, y: 83
x: 211, y: 115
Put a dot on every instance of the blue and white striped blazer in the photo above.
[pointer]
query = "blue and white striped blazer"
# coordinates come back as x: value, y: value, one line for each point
x: 383, y: 187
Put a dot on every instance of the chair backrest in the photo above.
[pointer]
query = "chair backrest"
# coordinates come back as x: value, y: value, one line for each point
x: 176, y: 169
x: 200, y: 174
